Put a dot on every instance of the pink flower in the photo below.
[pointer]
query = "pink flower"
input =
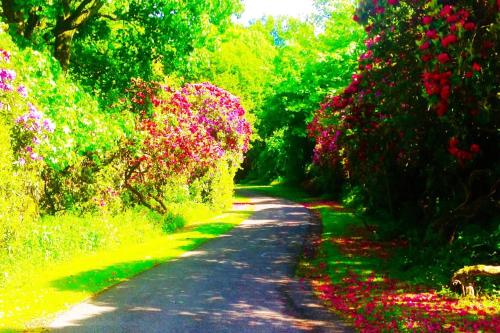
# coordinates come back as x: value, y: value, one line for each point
x: 393, y: 2
x: 426, y: 20
x: 21, y: 161
x: 431, y: 34
x: 447, y: 10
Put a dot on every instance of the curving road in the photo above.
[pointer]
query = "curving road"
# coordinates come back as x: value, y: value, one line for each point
x: 240, y: 282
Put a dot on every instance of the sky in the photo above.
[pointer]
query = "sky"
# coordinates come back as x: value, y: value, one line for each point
x: 255, y: 9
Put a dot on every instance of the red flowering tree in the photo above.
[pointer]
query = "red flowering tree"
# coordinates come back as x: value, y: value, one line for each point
x: 182, y: 134
x: 419, y: 122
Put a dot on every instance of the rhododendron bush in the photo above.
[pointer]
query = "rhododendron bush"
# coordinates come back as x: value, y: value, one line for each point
x: 418, y: 127
x: 182, y: 134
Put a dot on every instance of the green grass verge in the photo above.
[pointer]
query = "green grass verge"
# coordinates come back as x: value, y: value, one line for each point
x: 31, y: 300
x: 279, y: 190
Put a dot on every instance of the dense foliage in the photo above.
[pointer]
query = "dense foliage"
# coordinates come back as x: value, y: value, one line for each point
x: 311, y: 61
x: 100, y: 120
x: 105, y: 44
x: 64, y: 157
x: 416, y: 132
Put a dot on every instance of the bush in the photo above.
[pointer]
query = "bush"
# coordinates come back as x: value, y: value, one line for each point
x: 416, y: 128
x: 193, y: 138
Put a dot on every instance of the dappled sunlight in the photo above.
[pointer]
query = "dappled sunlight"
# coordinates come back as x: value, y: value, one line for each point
x: 193, y: 254
x: 61, y: 285
x: 83, y: 312
x: 238, y: 281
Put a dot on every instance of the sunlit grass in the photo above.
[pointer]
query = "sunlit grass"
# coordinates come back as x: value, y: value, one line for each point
x: 32, y: 301
x: 279, y: 190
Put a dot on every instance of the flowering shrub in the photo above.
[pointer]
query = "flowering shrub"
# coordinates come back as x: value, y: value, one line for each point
x: 418, y: 118
x: 21, y: 141
x: 182, y: 133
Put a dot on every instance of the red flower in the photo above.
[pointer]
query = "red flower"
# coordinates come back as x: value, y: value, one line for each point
x: 355, y: 18
x: 441, y: 108
x: 431, y: 34
x: 468, y: 75
x: 452, y: 19
x: 443, y: 58
x: 425, y: 45
x: 450, y: 39
x: 447, y: 10
x: 426, y: 57
x: 453, y: 142
x: 426, y: 20
x: 476, y: 67
x: 445, y: 92
x: 469, y: 26
x: 393, y: 2
x: 475, y: 149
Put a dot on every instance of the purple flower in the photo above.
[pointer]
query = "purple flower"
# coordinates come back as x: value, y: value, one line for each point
x: 22, y: 91
x: 22, y: 119
x: 7, y: 75
x: 34, y: 113
x: 49, y: 125
x: 6, y: 86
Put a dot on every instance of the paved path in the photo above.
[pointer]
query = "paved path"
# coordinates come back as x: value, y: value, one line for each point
x: 240, y: 282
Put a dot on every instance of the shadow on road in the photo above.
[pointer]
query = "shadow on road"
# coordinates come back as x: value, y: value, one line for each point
x: 236, y: 283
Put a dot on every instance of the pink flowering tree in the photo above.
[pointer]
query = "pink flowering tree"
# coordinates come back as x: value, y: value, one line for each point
x: 418, y: 128
x: 181, y: 134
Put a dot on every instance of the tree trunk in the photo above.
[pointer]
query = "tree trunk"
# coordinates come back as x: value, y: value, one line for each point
x: 62, y: 51
x: 464, y: 277
x: 8, y: 11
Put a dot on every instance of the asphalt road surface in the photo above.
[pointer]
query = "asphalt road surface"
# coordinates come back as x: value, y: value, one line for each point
x: 240, y: 282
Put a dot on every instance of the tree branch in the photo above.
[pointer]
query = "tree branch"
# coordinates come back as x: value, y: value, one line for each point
x: 32, y: 23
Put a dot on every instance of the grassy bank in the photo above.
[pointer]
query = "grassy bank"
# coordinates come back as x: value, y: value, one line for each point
x: 34, y: 291
x: 358, y: 277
